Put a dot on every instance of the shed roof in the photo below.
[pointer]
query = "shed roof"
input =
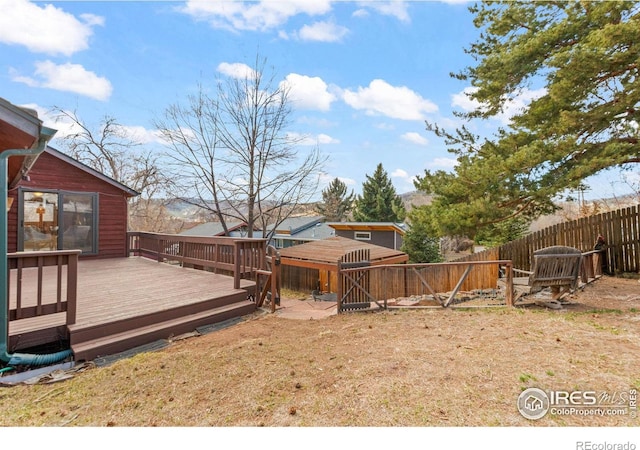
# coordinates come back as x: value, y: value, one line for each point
x: 327, y: 252
x: 369, y: 226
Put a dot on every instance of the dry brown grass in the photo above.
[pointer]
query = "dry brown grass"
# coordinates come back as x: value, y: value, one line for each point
x: 431, y: 367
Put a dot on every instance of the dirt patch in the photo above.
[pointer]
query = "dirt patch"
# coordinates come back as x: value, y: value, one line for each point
x: 402, y: 367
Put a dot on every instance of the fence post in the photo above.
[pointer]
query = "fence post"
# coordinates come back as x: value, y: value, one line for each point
x: 509, y: 276
x: 339, y: 290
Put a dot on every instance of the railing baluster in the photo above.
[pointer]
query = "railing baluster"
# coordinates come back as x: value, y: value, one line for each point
x: 19, y: 290
x: 59, y: 284
x: 40, y: 287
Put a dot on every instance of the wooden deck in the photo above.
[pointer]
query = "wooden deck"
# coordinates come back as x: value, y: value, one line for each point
x: 126, y: 302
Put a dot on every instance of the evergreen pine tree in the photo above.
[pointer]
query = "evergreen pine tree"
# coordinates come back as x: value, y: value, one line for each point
x: 336, y: 204
x: 379, y: 201
x: 419, y: 243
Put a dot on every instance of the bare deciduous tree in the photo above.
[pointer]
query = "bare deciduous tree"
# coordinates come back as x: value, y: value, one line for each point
x: 112, y: 150
x: 232, y: 154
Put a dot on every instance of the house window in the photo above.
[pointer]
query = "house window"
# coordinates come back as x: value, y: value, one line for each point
x: 362, y: 235
x: 57, y: 220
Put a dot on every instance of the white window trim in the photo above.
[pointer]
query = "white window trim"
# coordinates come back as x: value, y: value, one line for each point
x: 362, y: 235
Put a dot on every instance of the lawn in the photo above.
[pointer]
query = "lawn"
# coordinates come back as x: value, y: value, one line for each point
x: 398, y: 368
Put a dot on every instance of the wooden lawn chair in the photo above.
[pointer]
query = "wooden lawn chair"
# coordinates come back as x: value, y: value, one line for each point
x: 556, y: 267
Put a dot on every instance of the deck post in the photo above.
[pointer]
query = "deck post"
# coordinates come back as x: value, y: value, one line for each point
x: 72, y: 287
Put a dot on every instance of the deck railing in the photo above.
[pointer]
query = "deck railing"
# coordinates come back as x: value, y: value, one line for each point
x: 237, y: 257
x: 26, y: 302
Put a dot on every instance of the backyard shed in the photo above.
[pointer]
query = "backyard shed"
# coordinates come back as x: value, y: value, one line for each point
x: 386, y: 234
x: 314, y: 265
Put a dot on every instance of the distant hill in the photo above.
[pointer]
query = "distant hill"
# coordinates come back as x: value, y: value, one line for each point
x: 567, y: 210
x: 574, y: 210
x: 415, y: 198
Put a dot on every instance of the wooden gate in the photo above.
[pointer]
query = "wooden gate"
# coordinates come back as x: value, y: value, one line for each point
x: 269, y: 293
x: 353, y: 284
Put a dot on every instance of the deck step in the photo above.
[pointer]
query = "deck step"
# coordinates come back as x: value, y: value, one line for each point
x: 84, y: 331
x: 111, y: 343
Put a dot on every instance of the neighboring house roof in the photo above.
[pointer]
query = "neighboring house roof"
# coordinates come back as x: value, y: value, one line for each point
x: 213, y: 229
x: 369, y: 226
x: 318, y: 231
x: 77, y: 164
x: 294, y: 225
x: 326, y: 253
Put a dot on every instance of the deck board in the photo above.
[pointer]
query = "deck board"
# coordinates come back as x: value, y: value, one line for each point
x: 121, y: 288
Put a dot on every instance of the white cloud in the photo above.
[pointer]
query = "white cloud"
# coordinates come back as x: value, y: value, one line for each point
x: 443, y: 163
x: 236, y: 70
x: 309, y: 92
x: 45, y: 29
x: 463, y: 100
x: 400, y: 173
x: 395, y: 102
x: 360, y: 13
x: 394, y: 8
x: 517, y: 104
x: 68, y: 78
x: 65, y: 126
x: 403, y: 181
x: 307, y: 139
x: 141, y: 135
x: 510, y: 108
x: 323, y: 32
x: 326, y: 179
x: 415, y: 138
x: 326, y: 139
x: 258, y: 16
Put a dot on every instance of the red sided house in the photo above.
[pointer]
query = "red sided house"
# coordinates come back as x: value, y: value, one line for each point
x: 63, y: 204
x: 119, y: 295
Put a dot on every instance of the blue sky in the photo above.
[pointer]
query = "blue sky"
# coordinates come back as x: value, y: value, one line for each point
x: 364, y: 75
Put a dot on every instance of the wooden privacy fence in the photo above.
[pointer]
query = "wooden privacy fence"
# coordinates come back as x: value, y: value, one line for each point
x: 237, y: 257
x: 31, y: 299
x: 620, y: 228
x: 362, y: 285
x: 592, y: 267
